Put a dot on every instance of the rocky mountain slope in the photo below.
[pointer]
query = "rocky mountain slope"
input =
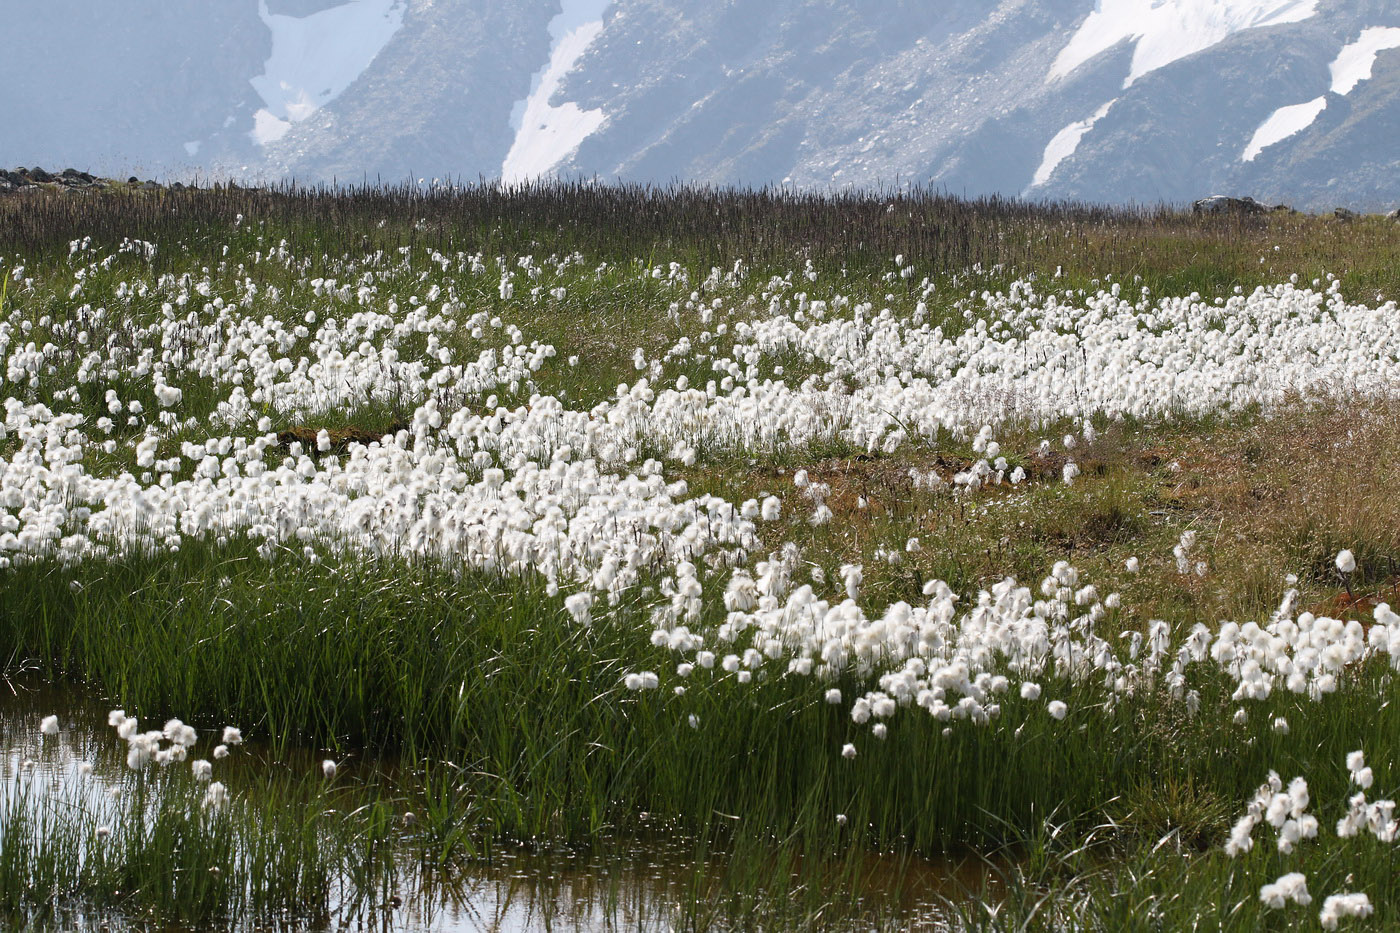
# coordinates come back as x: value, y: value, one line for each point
x: 1108, y: 100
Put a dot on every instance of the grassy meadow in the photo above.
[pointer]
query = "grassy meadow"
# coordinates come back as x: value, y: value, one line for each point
x: 826, y: 538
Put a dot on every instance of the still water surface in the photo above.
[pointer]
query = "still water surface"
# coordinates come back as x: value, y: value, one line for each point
x: 637, y: 885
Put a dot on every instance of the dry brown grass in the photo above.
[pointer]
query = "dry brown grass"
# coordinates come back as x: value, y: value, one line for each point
x: 1267, y: 497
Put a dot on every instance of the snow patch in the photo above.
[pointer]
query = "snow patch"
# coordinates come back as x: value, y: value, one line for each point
x: 315, y: 58
x: 1063, y: 144
x: 1164, y: 31
x: 547, y: 135
x: 1281, y: 124
x: 267, y: 128
x: 1352, y: 65
x: 1355, y: 61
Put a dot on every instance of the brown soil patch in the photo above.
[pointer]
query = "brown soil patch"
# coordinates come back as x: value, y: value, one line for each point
x: 340, y: 438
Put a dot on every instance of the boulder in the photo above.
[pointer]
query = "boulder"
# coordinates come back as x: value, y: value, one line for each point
x: 37, y: 174
x: 1345, y: 214
x: 1394, y: 215
x: 1223, y: 204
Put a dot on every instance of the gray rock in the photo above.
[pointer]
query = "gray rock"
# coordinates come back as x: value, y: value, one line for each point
x: 1345, y: 214
x: 37, y: 174
x: 1224, y: 204
x: 1394, y: 215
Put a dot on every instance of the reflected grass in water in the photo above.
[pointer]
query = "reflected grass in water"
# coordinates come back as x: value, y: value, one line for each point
x: 86, y: 842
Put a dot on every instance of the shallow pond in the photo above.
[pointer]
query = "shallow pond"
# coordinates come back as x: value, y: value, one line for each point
x: 78, y: 777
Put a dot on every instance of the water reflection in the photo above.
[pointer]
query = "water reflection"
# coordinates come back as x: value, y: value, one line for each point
x: 650, y: 884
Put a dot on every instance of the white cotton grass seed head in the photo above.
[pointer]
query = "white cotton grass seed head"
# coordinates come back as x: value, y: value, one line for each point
x: 848, y: 750
x: 49, y: 726
x: 1057, y: 709
x: 1290, y: 887
x: 1346, y: 561
x: 1337, y: 907
x: 329, y: 768
x: 232, y: 736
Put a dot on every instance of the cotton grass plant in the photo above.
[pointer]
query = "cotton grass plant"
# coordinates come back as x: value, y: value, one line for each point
x: 741, y: 544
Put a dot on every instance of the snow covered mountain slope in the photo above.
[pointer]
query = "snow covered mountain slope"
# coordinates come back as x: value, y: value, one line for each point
x: 1106, y: 100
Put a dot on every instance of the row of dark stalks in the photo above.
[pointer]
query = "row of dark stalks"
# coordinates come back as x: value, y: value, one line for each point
x: 939, y: 231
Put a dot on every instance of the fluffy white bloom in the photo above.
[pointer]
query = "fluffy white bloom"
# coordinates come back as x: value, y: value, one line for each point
x: 848, y: 750
x: 180, y: 734
x: 1346, y: 561
x: 1057, y: 709
x: 49, y: 726
x: 1337, y: 907
x: 580, y: 606
x: 1241, y: 840
x: 1290, y: 887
